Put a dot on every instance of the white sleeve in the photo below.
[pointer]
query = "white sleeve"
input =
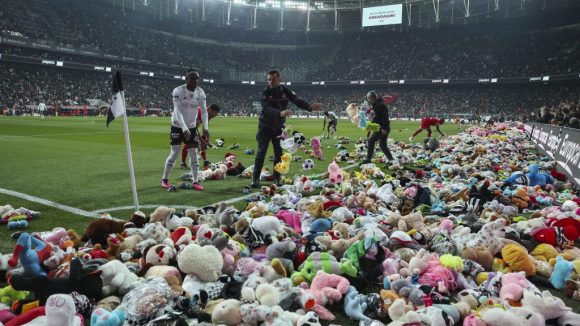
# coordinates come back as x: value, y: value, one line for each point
x: 203, y: 109
x: 177, y: 107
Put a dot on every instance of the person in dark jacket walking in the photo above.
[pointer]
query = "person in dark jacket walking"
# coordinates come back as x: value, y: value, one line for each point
x: 382, y: 119
x: 275, y: 99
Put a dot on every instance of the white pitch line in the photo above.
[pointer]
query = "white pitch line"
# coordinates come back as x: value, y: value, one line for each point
x: 237, y: 199
x: 67, y: 134
x: 122, y: 208
x: 49, y: 203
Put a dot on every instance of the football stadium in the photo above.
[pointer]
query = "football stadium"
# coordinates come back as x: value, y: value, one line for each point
x: 289, y: 162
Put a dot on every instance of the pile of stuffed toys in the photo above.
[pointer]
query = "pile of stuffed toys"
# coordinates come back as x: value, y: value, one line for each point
x: 468, y: 230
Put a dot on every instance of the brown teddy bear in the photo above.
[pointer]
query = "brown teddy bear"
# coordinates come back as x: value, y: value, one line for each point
x: 340, y: 230
x: 98, y: 231
x: 480, y: 255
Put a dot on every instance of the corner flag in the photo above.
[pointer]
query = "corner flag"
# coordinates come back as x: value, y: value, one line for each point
x: 117, y: 107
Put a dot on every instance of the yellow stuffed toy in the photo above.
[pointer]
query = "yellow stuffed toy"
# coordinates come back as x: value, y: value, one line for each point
x: 518, y: 259
x: 544, y: 252
x: 284, y: 166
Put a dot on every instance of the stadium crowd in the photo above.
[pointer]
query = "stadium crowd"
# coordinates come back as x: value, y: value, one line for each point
x: 23, y: 87
x: 400, y: 55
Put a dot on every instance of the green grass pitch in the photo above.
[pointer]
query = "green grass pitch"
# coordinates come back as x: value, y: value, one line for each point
x: 79, y: 162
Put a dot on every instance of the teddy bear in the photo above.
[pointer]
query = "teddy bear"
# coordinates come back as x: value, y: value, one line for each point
x: 405, y: 289
x: 173, y: 222
x: 190, y: 256
x: 520, y: 199
x: 480, y: 254
x: 338, y: 247
x: 117, y: 278
x: 547, y: 305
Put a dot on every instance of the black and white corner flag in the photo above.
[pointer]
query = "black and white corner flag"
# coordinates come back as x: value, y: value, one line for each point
x: 117, y: 108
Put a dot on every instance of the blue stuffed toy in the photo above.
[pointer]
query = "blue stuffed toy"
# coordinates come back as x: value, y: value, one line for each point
x: 318, y: 227
x: 12, y: 225
x: 362, y: 123
x: 32, y: 252
x: 516, y: 179
x: 562, y: 271
x: 354, y: 306
x: 102, y: 317
x: 536, y: 178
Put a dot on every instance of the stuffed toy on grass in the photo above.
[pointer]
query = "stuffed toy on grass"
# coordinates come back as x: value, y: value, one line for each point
x: 325, y: 262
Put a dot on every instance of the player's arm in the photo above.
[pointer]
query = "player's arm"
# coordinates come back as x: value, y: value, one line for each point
x: 178, y: 108
x: 301, y: 103
x: 204, y: 116
x: 324, y: 123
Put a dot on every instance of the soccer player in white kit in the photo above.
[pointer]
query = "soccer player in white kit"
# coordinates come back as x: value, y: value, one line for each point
x: 41, y: 109
x: 186, y: 99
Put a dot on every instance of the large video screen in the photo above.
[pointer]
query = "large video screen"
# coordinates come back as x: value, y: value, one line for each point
x: 382, y: 15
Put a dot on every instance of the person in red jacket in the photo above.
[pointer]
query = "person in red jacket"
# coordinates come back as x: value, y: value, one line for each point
x: 426, y: 124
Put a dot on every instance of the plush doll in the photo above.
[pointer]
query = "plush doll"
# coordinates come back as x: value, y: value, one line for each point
x: 99, y: 230
x: 310, y: 318
x: 117, y: 278
x: 173, y: 222
x: 59, y: 310
x: 360, y: 249
x: 284, y: 249
x: 536, y: 178
x: 518, y: 259
x: 102, y: 317
x: 549, y: 306
x: 512, y: 286
x: 338, y: 247
x: 521, y: 199
x: 291, y: 218
x: 31, y: 252
x: 89, y: 284
x: 362, y: 117
x: 335, y: 174
x: 325, y: 262
x: 316, y: 146
x: 354, y: 306
x: 562, y: 233
x: 189, y: 258
x: 283, y: 167
x: 8, y: 295
x: 562, y: 271
x: 327, y: 289
x: 405, y: 289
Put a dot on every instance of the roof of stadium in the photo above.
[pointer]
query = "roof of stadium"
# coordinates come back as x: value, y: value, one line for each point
x: 345, y: 15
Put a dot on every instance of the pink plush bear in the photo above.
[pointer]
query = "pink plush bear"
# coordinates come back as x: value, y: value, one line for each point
x: 291, y: 218
x: 513, y: 285
x: 326, y: 289
x: 315, y: 143
x: 335, y: 174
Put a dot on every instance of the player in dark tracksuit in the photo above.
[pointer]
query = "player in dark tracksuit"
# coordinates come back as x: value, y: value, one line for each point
x: 275, y: 99
x: 382, y: 119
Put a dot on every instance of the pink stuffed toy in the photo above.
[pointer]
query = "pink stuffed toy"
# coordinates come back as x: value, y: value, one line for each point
x: 55, y: 237
x: 326, y: 289
x: 247, y: 266
x: 315, y: 143
x: 513, y: 285
x: 335, y: 174
x: 291, y: 218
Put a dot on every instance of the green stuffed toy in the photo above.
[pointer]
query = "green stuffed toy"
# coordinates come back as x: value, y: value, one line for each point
x: 322, y: 261
x: 358, y: 250
x: 8, y: 295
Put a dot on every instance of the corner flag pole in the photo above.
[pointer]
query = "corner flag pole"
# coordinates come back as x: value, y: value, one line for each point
x: 130, y: 156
